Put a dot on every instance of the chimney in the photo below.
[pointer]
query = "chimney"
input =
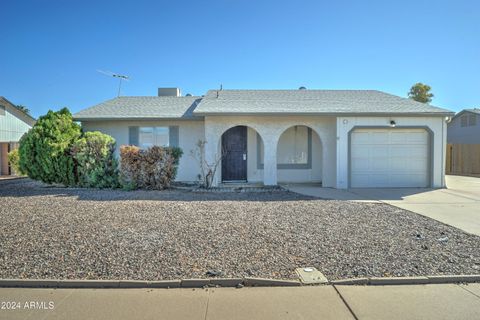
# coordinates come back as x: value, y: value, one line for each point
x: 169, y: 92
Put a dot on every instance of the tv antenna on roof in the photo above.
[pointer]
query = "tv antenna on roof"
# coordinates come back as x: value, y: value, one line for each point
x: 121, y: 77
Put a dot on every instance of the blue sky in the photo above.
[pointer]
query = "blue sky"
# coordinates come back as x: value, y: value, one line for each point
x: 50, y: 50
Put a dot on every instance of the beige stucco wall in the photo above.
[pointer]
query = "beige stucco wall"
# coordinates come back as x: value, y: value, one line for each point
x: 270, y: 128
x: 189, y: 133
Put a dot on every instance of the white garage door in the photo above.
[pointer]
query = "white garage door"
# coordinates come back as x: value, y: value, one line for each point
x: 389, y: 158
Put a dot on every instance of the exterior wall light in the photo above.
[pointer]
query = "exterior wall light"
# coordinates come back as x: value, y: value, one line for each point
x: 392, y: 124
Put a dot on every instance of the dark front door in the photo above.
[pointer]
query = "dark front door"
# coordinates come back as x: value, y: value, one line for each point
x: 234, y: 162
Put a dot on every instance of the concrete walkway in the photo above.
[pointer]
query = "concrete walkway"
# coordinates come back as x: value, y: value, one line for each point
x: 448, y: 301
x: 458, y: 205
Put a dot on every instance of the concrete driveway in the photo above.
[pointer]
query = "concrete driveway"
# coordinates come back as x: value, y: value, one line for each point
x: 458, y: 205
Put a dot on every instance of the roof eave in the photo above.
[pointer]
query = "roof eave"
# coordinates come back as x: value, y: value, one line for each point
x: 84, y: 119
x: 331, y: 114
x: 462, y: 112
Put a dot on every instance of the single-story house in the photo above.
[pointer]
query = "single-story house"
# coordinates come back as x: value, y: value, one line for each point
x: 464, y: 127
x: 340, y: 138
x: 13, y: 124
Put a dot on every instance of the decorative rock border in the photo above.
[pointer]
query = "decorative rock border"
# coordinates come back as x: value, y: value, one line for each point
x: 229, y: 282
x: 237, y: 189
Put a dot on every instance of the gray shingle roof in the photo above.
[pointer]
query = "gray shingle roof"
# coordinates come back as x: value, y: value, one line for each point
x: 475, y: 110
x: 141, y: 108
x: 310, y: 102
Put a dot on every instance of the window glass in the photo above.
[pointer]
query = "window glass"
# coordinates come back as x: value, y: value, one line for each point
x: 472, y: 120
x: 153, y: 136
x: 161, y: 136
x: 146, y: 138
x: 463, y: 121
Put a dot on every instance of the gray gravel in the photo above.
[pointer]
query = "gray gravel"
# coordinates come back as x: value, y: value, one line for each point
x: 103, y: 234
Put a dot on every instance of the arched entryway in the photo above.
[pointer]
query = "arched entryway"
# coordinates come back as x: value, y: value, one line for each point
x: 238, y: 149
x: 299, y: 156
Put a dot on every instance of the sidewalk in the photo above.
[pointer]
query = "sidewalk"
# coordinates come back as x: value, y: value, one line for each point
x: 441, y: 301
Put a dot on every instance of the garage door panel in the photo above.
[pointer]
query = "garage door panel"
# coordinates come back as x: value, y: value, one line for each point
x: 418, y: 151
x: 380, y: 180
x: 379, y: 151
x: 379, y: 164
x: 389, y: 158
x: 417, y: 137
x: 361, y: 164
x: 361, y: 137
x: 361, y: 153
x: 408, y: 180
x: 398, y: 138
x: 378, y: 138
x: 400, y: 151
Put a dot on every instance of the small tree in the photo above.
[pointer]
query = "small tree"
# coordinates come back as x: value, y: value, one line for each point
x: 45, y: 148
x: 14, y: 159
x: 420, y: 92
x: 96, y: 165
x: 24, y: 109
x: 208, y: 170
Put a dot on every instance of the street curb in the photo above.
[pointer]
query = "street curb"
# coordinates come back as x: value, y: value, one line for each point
x: 375, y: 281
x: 261, y: 282
x: 454, y: 278
x: 229, y: 282
x: 26, y: 283
x: 353, y: 281
x: 378, y: 281
x: 226, y: 282
x: 194, y: 283
x: 86, y: 284
x: 165, y: 284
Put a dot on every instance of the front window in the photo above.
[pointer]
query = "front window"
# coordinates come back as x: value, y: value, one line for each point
x: 153, y: 136
x: 464, y: 121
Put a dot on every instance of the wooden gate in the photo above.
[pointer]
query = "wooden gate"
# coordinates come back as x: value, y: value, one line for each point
x: 463, y: 159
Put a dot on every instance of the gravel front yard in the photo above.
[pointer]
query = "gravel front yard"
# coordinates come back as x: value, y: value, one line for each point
x: 102, y: 234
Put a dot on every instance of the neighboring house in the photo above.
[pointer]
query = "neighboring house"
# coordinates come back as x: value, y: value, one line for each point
x: 465, y: 127
x: 341, y: 138
x: 13, y: 124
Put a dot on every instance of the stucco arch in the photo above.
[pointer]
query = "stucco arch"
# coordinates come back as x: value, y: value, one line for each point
x: 314, y: 130
x: 225, y: 128
x: 316, y: 158
x: 270, y: 128
x: 220, y: 150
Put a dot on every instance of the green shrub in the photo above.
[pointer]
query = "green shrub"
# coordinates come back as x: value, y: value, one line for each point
x: 95, y: 161
x: 14, y: 159
x: 153, y: 168
x: 45, y: 148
